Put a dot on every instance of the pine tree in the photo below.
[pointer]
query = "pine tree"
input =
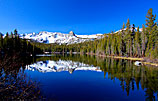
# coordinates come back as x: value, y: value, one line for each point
x: 15, y: 32
x: 122, y: 44
x: 150, y: 20
x: 6, y: 39
x: 144, y: 40
x: 119, y: 43
x: 16, y: 40
x: 112, y: 41
x: 137, y: 42
x: 133, y: 41
x: 108, y: 45
x: 151, y: 28
x: 12, y: 36
x: 128, y: 39
x: 154, y: 43
x: 1, y: 41
x: 128, y: 25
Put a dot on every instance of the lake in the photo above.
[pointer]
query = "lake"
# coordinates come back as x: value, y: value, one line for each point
x: 90, y: 78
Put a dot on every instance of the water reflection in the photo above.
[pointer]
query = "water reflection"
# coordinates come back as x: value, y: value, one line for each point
x: 139, y: 83
x: 131, y: 77
x: 61, y: 65
x: 14, y: 84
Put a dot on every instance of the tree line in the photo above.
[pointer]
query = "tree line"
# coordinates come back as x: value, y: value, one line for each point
x: 12, y: 44
x: 129, y: 41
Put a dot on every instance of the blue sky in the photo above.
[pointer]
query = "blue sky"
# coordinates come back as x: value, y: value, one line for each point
x: 80, y: 16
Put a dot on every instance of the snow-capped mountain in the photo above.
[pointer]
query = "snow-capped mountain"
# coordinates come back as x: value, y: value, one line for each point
x: 59, y: 38
x: 61, y: 65
x: 140, y: 29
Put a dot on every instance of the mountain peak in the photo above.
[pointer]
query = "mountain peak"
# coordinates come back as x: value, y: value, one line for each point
x: 59, y: 38
x: 71, y: 33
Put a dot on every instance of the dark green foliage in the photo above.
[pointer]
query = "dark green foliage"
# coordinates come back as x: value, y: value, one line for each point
x: 126, y: 42
x: 151, y: 33
x: 11, y: 44
x: 137, y: 42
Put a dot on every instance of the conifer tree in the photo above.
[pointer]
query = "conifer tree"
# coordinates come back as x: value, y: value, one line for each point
x: 12, y: 36
x: 144, y: 38
x: 132, y: 39
x: 119, y: 43
x: 15, y: 32
x: 137, y: 42
x: 150, y: 20
x: 112, y: 41
x: 6, y: 40
x: 1, y: 41
x: 108, y: 45
x: 151, y: 28
x: 154, y: 43
x: 122, y: 46
x: 128, y: 39
x: 16, y: 42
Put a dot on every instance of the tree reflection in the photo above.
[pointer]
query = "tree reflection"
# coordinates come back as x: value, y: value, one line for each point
x: 13, y: 82
x: 130, y: 76
x: 124, y: 70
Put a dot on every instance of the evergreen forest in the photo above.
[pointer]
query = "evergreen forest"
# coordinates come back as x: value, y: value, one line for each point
x: 130, y: 41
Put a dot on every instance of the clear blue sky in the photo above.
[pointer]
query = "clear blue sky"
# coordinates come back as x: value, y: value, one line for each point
x: 81, y: 16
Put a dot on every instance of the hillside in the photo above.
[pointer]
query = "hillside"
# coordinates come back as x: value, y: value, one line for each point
x: 59, y: 38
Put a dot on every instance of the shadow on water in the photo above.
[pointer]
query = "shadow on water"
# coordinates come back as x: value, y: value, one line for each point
x: 14, y: 84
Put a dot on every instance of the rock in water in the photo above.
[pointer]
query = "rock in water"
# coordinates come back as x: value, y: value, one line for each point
x: 137, y: 63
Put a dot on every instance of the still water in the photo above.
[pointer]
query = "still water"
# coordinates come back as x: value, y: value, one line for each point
x: 83, y: 78
x: 88, y: 78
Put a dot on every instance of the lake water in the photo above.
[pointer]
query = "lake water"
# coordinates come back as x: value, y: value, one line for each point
x: 90, y: 78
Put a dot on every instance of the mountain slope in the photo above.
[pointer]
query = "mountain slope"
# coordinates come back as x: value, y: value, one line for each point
x: 59, y: 38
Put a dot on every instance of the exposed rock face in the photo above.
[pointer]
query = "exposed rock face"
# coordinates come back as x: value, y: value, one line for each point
x: 58, y: 38
x: 71, y: 33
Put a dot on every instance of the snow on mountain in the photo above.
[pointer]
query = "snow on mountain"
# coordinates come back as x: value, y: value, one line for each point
x: 61, y: 65
x: 140, y: 29
x: 59, y: 38
x: 62, y: 38
x: 94, y: 36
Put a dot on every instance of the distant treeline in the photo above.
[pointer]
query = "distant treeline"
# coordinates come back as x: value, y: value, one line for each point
x: 126, y: 42
x: 130, y: 42
x: 11, y: 44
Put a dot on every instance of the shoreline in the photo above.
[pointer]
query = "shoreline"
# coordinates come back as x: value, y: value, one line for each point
x: 144, y: 62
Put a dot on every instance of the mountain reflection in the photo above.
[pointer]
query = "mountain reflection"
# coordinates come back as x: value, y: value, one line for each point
x: 61, y: 65
x: 15, y: 84
x: 144, y: 77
